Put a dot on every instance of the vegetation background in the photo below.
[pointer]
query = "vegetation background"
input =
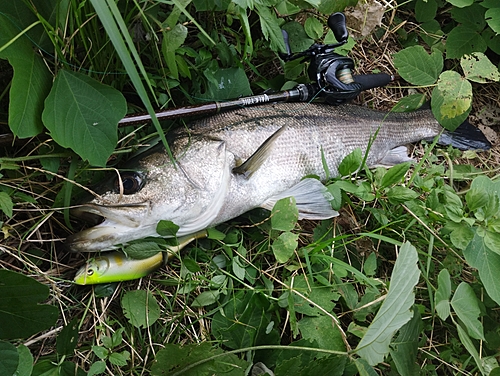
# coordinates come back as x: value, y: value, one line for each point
x: 404, y: 281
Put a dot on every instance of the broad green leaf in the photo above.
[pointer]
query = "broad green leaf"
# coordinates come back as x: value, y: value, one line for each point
x: 472, y: 16
x: 172, y: 40
x: 284, y: 246
x: 285, y: 214
x: 191, y: 265
x: 394, y: 174
x: 370, y: 264
x: 492, y: 240
x: 313, y: 28
x: 487, y: 263
x: 461, y: 236
x: 395, y: 310
x: 100, y: 351
x: 399, y: 194
x: 119, y: 358
x: 323, y: 330
x: 492, y: 17
x: 451, y: 100
x: 9, y: 358
x: 332, y: 6
x: 167, y: 228
x: 270, y: 28
x: 83, y: 114
x: 142, y: 250
x: 404, y: 349
x: 465, y: 305
x: 460, y: 3
x: 67, y: 339
x: 206, y: 298
x: 471, y: 348
x: 343, y: 50
x: 351, y: 163
x: 364, y: 368
x: 298, y: 39
x: 6, y: 204
x: 417, y: 67
x: 244, y: 321
x: 492, y: 40
x: 189, y: 360
x: 286, y: 7
x: 140, y: 307
x: 306, y: 363
x: 20, y: 313
x: 97, y: 368
x: 293, y: 70
x: 321, y: 296
x: 410, y: 103
x: 211, y: 5
x: 476, y: 198
x: 238, y: 270
x: 489, y: 3
x: 227, y: 83
x: 47, y: 367
x: 30, y: 85
x: 425, y: 10
x: 490, y: 188
x: 478, y: 68
x: 25, y: 366
x: 464, y: 40
x: 432, y: 35
x: 213, y: 233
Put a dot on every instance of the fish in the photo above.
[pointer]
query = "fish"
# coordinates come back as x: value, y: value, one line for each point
x: 229, y: 163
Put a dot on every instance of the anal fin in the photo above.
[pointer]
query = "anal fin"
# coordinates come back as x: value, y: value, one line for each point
x: 312, y: 198
x: 394, y: 156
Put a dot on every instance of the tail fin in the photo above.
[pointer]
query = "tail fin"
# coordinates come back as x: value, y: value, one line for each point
x: 465, y: 137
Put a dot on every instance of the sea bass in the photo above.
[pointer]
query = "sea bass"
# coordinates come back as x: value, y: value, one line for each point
x: 230, y: 163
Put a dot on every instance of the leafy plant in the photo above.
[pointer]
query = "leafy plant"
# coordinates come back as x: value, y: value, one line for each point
x: 452, y: 94
x: 107, y: 352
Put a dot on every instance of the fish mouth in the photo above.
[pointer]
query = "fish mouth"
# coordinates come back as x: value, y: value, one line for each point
x: 118, y: 224
x: 125, y: 214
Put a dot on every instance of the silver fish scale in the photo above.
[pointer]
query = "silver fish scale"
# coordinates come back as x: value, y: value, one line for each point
x: 310, y: 130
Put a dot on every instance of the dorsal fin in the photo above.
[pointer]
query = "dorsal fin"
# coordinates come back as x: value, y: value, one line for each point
x: 256, y: 160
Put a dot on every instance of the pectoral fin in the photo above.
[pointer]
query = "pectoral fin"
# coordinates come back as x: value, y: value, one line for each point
x: 253, y: 163
x: 312, y: 198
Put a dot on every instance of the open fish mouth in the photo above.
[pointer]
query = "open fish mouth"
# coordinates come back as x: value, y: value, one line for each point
x: 125, y: 214
x: 119, y: 224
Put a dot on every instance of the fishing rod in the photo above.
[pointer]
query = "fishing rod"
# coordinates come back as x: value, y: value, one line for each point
x: 330, y: 72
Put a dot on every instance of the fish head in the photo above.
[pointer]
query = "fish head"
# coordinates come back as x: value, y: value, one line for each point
x: 188, y: 191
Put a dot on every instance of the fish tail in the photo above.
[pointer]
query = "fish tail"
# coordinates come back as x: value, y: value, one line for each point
x: 465, y: 137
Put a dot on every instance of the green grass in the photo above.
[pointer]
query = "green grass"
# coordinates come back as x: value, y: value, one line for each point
x: 226, y: 302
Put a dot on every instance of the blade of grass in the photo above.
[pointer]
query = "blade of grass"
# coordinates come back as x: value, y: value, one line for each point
x: 118, y: 34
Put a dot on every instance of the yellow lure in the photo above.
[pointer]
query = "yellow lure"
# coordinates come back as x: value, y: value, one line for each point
x: 116, y: 267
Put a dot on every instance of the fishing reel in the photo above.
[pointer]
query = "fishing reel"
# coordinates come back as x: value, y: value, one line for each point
x: 331, y: 72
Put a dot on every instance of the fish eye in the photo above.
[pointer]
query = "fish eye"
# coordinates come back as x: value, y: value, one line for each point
x: 90, y: 272
x: 131, y: 182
